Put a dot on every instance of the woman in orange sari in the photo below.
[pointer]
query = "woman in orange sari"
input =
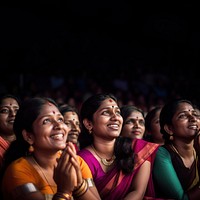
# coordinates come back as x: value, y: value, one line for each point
x: 41, y: 165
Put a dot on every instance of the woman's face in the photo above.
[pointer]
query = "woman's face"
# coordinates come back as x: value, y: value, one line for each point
x: 134, y: 126
x: 8, y: 111
x: 72, y: 120
x: 184, y: 122
x: 107, y: 121
x: 50, y: 131
x: 155, y: 129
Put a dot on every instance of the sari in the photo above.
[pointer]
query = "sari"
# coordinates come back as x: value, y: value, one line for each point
x: 3, y: 147
x: 114, y: 185
x: 21, y: 172
x: 171, y: 178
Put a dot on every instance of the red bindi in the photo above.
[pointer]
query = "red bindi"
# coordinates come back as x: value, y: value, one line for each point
x: 110, y: 100
x: 53, y: 112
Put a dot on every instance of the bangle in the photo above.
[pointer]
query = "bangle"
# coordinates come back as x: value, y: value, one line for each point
x: 81, y: 190
x: 62, y: 196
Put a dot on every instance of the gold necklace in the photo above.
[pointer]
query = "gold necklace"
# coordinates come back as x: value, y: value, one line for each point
x: 104, y: 161
x: 175, y: 149
x: 42, y: 172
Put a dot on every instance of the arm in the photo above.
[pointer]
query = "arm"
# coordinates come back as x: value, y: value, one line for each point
x: 165, y: 176
x: 140, y: 182
x: 80, y: 186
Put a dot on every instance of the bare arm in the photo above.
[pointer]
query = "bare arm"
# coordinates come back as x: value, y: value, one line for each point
x: 140, y: 182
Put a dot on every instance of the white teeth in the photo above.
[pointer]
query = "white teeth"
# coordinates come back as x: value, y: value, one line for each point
x: 58, y: 136
x: 113, y: 125
x: 193, y: 127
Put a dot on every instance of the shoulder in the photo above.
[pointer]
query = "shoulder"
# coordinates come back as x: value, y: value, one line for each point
x: 163, y: 153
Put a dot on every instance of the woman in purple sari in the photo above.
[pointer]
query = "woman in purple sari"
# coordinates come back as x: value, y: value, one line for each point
x: 121, y: 167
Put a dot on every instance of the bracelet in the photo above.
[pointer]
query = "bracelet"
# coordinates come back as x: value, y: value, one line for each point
x: 81, y: 190
x: 62, y: 196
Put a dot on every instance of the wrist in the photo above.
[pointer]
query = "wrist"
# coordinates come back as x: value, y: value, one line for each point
x: 62, y: 196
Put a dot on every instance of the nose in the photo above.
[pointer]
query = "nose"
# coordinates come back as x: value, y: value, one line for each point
x: 12, y: 112
x: 136, y: 124
x: 57, y: 124
x: 193, y: 118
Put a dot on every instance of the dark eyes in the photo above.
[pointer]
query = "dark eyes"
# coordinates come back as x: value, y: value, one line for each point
x: 7, y: 111
x: 133, y: 121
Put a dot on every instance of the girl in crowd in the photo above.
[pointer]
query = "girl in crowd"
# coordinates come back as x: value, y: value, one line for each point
x: 152, y: 126
x: 176, y: 167
x: 102, y: 123
x: 133, y: 122
x: 9, y: 105
x: 71, y: 118
x: 42, y: 166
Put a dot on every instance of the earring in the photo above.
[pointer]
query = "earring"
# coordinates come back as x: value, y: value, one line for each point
x: 171, y: 137
x: 31, y: 149
x: 90, y: 131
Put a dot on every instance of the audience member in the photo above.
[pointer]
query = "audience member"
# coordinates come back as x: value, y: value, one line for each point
x: 176, y: 167
x: 9, y: 105
x: 102, y: 123
x: 152, y: 126
x: 133, y: 122
x: 71, y: 118
x: 42, y: 165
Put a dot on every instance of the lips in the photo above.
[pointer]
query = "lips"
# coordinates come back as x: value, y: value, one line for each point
x: 59, y: 136
x: 114, y: 126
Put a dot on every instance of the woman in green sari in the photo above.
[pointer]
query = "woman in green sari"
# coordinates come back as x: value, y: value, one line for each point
x: 176, y: 167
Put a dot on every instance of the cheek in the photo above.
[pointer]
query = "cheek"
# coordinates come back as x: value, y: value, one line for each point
x: 126, y: 128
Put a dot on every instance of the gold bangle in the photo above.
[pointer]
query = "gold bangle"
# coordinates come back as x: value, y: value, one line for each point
x: 81, y: 190
x: 63, y: 196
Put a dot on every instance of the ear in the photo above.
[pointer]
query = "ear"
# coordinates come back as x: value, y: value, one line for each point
x: 87, y: 123
x: 168, y: 129
x: 28, y: 137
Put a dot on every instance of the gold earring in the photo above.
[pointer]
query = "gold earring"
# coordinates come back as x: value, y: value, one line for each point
x: 31, y: 149
x: 90, y: 131
x: 171, y: 137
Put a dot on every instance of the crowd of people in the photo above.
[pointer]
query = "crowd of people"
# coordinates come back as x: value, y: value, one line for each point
x: 102, y: 150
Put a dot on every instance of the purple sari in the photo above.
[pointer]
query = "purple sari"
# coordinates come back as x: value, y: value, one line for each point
x: 114, y: 185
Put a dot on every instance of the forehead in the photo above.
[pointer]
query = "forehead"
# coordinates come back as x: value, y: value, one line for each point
x: 108, y: 103
x: 184, y: 107
x: 49, y: 109
x: 8, y: 101
x: 135, y: 114
x: 71, y: 114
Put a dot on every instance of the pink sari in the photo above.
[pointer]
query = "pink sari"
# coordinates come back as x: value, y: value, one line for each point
x: 115, y: 185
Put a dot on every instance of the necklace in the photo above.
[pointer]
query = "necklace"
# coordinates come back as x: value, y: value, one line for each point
x: 104, y: 161
x: 185, y: 163
x: 42, y: 173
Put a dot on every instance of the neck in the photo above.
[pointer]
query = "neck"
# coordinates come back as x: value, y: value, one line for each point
x: 9, y: 138
x: 105, y: 151
x: 184, y: 150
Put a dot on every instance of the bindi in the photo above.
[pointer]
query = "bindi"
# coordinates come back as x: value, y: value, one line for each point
x: 10, y: 104
x: 110, y: 100
x: 53, y: 112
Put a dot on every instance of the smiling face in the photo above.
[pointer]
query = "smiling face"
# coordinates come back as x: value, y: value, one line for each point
x: 49, y: 129
x: 72, y: 120
x: 184, y: 122
x: 107, y: 121
x: 8, y: 111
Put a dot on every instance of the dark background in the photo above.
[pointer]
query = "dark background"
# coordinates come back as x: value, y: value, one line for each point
x: 145, y: 44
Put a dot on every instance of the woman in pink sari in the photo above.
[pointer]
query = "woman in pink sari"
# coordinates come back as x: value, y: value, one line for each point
x: 121, y: 167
